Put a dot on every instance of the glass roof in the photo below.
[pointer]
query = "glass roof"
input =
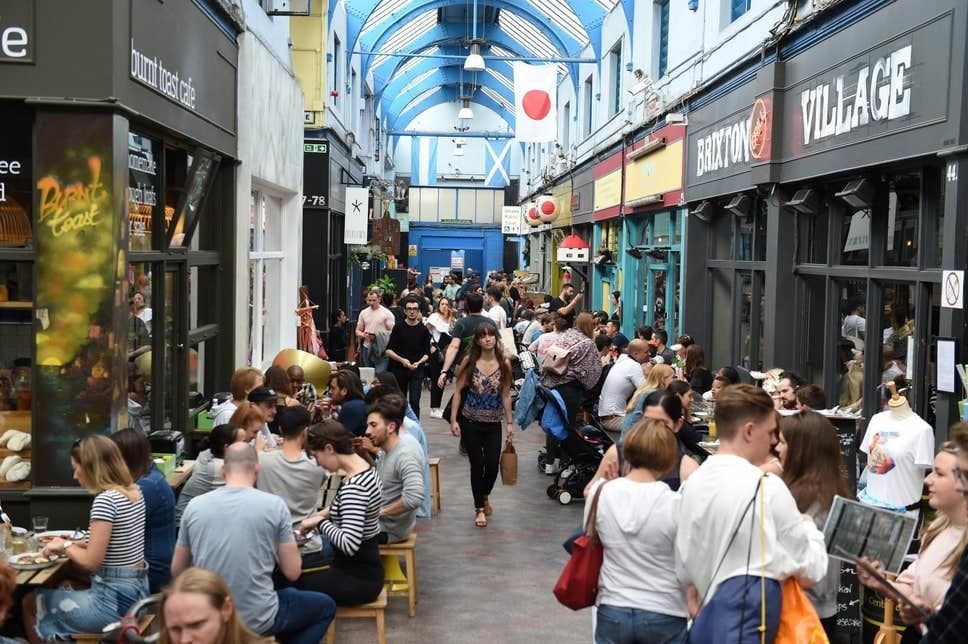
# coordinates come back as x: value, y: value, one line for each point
x: 406, y: 64
x: 562, y: 15
x: 530, y: 38
x: 421, y: 77
x: 608, y: 4
x: 384, y: 9
x: 494, y: 95
x: 499, y: 77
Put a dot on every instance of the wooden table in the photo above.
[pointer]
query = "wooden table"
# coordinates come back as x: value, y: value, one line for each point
x: 177, y: 478
x: 39, y: 577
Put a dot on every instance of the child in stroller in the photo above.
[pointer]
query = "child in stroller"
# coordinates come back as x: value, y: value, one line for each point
x: 583, y: 448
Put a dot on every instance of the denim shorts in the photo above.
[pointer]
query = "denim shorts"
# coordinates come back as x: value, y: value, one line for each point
x: 62, y: 612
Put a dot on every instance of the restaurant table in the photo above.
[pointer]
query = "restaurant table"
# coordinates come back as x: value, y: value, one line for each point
x: 39, y: 577
x: 177, y: 478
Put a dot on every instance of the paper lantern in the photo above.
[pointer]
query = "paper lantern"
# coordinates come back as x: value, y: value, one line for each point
x: 547, y: 209
x: 531, y: 216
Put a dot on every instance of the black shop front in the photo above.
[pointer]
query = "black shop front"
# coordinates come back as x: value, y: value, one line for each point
x: 117, y: 228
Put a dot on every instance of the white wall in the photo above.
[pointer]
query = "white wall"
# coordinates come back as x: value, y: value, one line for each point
x: 270, y: 152
x: 273, y: 31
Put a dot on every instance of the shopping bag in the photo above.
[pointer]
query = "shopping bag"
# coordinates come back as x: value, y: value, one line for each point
x: 577, y: 586
x: 509, y: 464
x: 799, y: 622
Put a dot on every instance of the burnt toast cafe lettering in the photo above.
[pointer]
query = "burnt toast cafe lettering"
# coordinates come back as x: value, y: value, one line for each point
x: 880, y: 91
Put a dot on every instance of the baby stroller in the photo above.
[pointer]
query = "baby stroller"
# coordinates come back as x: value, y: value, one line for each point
x: 583, y: 449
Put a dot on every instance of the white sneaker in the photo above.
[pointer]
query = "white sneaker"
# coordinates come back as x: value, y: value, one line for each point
x: 436, y: 413
x: 552, y: 468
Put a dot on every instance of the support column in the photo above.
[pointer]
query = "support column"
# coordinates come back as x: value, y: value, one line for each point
x: 779, y: 314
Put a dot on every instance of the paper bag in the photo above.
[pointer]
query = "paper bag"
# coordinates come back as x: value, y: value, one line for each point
x: 509, y: 464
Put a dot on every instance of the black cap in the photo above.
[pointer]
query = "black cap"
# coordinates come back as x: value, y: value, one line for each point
x: 261, y: 394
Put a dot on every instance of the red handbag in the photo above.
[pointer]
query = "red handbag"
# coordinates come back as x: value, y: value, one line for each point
x: 577, y: 586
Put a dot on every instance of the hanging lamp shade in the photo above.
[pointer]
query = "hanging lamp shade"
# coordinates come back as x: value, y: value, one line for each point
x: 465, y: 111
x: 474, y: 61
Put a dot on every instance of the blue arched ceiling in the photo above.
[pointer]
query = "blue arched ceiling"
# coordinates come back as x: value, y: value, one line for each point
x: 443, y: 33
x: 394, y: 91
x: 450, y: 35
x: 442, y: 77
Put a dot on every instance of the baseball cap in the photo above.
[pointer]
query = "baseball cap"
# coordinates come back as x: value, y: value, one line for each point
x: 620, y: 342
x: 261, y: 394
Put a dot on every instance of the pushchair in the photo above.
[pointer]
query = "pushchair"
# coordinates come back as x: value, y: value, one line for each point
x: 583, y: 449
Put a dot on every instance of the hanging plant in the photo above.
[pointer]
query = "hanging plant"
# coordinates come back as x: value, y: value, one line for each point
x: 360, y: 254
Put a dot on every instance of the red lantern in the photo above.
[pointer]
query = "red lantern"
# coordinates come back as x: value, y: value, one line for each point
x: 531, y: 216
x: 547, y: 209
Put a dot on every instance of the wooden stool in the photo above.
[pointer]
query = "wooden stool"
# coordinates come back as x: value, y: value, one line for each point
x: 434, y: 486
x: 374, y: 609
x: 407, y: 549
x: 93, y: 638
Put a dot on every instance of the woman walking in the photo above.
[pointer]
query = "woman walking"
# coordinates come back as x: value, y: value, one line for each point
x: 813, y: 470
x: 484, y: 386
x: 114, y: 552
x: 351, y: 524
x: 441, y: 325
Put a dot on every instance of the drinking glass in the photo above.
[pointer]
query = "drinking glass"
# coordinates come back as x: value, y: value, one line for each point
x: 39, y: 524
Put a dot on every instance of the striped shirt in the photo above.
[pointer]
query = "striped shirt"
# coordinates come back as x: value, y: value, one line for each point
x: 127, y: 545
x: 355, y: 512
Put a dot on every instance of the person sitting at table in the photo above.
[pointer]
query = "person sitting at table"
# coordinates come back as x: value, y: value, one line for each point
x: 207, y: 473
x: 265, y: 399
x: 114, y: 552
x: 351, y: 523
x: 159, y: 505
x: 244, y: 380
x: 251, y: 418
x: 243, y: 534
x: 346, y: 393
x: 288, y: 472
x: 199, y: 608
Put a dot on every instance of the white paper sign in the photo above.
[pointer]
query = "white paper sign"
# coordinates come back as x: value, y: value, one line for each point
x: 953, y: 289
x: 357, y: 210
x: 511, y: 220
x: 946, y: 366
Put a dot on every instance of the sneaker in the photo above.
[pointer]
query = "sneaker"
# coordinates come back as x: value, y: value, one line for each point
x: 436, y: 413
x: 552, y: 468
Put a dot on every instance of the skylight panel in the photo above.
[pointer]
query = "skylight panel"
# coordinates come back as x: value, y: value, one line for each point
x: 494, y: 95
x: 501, y: 78
x: 419, y: 79
x: 532, y: 40
x: 561, y: 13
x: 607, y: 4
x: 383, y: 10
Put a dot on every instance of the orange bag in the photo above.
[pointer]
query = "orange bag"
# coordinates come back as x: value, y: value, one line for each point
x: 799, y: 623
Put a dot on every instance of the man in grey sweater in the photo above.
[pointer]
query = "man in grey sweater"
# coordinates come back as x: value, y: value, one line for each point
x: 400, y: 465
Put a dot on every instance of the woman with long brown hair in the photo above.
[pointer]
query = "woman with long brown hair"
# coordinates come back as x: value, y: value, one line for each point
x: 484, y: 386
x: 114, y: 552
x: 197, y: 607
x: 694, y: 370
x: 813, y: 470
x: 350, y: 526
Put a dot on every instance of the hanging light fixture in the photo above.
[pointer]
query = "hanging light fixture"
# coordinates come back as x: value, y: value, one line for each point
x: 465, y: 112
x: 474, y: 61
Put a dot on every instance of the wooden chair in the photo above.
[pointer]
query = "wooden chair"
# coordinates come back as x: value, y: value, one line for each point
x: 406, y: 549
x: 375, y: 609
x: 434, y: 486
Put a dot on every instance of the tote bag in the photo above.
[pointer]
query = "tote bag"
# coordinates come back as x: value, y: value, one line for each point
x: 577, y: 586
x: 799, y: 623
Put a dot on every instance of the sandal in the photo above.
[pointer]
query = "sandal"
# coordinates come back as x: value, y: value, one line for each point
x: 480, y: 519
x: 488, y: 510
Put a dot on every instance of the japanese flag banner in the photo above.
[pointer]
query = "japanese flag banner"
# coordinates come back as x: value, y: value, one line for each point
x: 535, y: 101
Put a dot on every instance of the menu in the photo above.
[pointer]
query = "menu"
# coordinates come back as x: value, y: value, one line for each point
x: 142, y: 190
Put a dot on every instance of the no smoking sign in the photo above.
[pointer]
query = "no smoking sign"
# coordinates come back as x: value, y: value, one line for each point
x: 953, y: 289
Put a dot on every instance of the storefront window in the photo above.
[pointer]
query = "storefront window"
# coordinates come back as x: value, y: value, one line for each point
x: 265, y: 265
x: 722, y: 236
x: 903, y: 214
x: 812, y: 331
x: 745, y: 307
x: 16, y: 336
x: 897, y: 332
x: 812, y: 229
x: 143, y: 189
x: 722, y: 319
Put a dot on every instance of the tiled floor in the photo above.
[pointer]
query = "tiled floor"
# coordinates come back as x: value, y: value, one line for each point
x: 486, y: 585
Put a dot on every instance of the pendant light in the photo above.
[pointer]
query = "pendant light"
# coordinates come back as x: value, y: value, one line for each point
x: 474, y: 61
x: 465, y: 111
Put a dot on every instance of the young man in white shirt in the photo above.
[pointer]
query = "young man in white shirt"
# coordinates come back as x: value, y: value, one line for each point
x: 719, y: 548
x: 494, y: 309
x: 623, y: 379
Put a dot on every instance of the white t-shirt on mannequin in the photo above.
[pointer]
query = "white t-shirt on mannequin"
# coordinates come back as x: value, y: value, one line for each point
x: 899, y: 447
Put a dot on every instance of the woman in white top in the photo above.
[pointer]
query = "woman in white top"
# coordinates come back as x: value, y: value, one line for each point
x: 440, y: 324
x: 640, y: 599
x: 943, y: 542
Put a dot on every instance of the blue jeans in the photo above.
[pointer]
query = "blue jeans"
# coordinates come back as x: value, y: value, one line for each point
x: 303, y: 616
x: 617, y: 625
x: 62, y: 611
x: 733, y: 615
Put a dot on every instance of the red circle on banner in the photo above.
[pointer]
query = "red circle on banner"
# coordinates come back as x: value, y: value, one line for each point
x: 536, y: 104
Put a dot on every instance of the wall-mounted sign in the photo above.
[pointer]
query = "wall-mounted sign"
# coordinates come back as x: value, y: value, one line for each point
x: 142, y: 190
x: 172, y: 82
x: 17, y: 31
x: 357, y: 215
x: 456, y: 260
x: 315, y: 175
x: 656, y: 173
x: 511, y: 220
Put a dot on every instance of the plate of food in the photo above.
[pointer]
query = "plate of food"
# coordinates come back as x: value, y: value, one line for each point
x: 50, y: 535
x: 33, y: 561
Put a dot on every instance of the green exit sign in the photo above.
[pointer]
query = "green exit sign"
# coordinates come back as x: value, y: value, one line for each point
x: 319, y: 148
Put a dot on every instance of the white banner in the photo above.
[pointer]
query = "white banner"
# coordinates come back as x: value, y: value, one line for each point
x: 535, y: 102
x: 357, y: 214
x: 511, y: 220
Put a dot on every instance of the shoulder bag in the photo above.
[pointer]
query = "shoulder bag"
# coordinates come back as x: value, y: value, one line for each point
x: 577, y: 586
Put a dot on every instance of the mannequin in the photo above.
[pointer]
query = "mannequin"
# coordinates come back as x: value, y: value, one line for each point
x: 900, y: 447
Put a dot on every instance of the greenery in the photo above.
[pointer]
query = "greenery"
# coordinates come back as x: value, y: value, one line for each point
x: 360, y: 254
x: 384, y: 285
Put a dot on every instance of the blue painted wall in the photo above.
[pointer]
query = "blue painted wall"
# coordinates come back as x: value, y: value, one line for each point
x: 483, y: 246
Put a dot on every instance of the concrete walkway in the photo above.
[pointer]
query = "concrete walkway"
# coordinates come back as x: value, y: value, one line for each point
x: 488, y: 584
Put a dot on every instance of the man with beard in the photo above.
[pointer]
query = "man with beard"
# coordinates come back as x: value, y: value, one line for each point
x: 566, y: 303
x: 786, y: 391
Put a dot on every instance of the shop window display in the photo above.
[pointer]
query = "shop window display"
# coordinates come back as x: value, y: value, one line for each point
x: 903, y: 219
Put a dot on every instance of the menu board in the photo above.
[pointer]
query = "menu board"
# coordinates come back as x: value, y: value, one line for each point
x: 16, y: 193
x: 142, y: 190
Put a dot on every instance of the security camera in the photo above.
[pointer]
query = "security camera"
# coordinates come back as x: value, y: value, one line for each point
x: 638, y: 74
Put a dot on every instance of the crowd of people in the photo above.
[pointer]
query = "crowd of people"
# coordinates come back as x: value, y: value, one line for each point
x: 697, y: 546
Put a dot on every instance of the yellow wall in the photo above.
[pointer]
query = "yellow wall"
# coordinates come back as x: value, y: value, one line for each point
x: 309, y: 47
